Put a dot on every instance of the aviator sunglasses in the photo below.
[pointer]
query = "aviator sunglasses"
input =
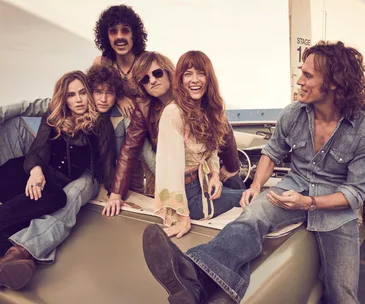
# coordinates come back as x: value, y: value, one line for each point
x: 158, y: 73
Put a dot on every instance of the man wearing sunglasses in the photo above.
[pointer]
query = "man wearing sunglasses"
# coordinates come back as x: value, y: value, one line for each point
x: 153, y: 73
x: 121, y: 37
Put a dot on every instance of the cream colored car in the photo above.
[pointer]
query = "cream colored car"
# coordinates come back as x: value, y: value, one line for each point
x: 102, y: 262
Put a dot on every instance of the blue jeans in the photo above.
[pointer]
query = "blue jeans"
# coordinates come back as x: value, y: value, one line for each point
x: 44, y: 234
x: 226, y: 259
x: 16, y: 138
x: 235, y: 182
x: 229, y: 198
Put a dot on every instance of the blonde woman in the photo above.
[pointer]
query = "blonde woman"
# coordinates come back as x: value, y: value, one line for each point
x: 72, y: 137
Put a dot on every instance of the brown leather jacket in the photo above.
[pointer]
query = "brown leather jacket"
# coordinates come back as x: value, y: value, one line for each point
x: 144, y: 123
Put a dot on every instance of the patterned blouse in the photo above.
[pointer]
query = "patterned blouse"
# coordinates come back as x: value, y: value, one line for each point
x: 178, y: 153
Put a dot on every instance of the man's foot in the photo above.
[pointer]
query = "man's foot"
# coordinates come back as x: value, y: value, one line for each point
x: 16, y: 268
x: 220, y: 297
x: 171, y: 268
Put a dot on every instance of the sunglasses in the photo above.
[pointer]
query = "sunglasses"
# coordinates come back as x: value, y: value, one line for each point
x: 114, y: 31
x: 158, y: 73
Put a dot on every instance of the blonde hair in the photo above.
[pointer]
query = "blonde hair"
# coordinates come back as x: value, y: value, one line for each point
x: 143, y: 64
x: 61, y: 118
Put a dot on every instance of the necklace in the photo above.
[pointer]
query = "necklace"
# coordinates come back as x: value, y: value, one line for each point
x: 125, y: 75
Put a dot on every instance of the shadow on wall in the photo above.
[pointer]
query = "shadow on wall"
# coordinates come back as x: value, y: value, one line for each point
x: 35, y: 53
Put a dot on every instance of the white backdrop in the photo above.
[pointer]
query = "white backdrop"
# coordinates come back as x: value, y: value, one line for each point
x: 345, y: 20
x: 247, y: 41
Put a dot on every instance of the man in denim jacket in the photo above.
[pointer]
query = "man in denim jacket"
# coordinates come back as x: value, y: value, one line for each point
x: 325, y: 132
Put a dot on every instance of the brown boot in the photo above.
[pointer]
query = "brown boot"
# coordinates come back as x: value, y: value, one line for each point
x: 16, y: 268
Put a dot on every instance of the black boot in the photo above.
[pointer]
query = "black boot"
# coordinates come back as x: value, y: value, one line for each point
x: 182, y: 279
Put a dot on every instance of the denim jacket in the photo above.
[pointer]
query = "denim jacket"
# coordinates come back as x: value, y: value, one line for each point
x: 339, y: 166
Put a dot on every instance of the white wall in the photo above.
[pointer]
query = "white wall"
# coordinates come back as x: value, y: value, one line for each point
x: 345, y: 21
x: 300, y: 38
x: 247, y: 41
x: 35, y: 53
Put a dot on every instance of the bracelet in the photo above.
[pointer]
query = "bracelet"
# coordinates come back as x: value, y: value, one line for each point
x: 313, y: 205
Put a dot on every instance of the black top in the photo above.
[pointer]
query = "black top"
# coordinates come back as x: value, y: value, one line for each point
x: 68, y: 157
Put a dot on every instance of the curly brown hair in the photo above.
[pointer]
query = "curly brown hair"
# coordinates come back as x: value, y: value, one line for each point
x: 119, y: 14
x: 105, y: 74
x: 208, y: 124
x: 343, y: 68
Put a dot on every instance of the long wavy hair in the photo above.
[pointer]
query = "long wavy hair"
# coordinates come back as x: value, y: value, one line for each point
x: 343, y: 68
x: 143, y: 64
x: 209, y: 123
x: 119, y: 14
x: 61, y: 118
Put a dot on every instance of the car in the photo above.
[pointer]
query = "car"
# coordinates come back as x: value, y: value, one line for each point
x: 102, y: 260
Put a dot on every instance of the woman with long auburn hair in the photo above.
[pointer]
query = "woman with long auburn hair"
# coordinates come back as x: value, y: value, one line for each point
x: 72, y: 137
x: 191, y: 130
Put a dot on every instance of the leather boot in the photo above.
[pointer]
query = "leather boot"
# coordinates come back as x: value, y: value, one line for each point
x: 220, y: 297
x: 16, y: 268
x: 181, y: 278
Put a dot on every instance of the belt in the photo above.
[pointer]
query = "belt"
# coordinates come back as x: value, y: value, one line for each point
x: 191, y: 177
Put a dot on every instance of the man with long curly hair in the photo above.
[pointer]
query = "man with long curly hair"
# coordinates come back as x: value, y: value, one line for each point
x: 121, y: 37
x: 325, y: 132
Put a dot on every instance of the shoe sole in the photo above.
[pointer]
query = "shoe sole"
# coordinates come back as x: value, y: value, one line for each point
x: 16, y: 274
x: 163, y: 265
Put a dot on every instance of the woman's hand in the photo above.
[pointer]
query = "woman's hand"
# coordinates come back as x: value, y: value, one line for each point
x: 215, y: 183
x: 180, y: 228
x: 126, y: 105
x: 112, y: 207
x: 35, y: 184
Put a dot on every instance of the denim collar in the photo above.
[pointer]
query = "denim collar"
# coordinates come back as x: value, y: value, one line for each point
x: 309, y: 108
x: 115, y: 112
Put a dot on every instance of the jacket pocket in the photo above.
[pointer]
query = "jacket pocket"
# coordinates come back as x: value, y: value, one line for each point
x: 295, y: 144
x: 341, y: 157
x: 337, y: 161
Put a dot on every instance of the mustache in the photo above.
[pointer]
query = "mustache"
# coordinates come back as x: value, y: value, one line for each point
x: 120, y: 40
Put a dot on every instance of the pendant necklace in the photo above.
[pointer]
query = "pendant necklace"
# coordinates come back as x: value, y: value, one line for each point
x: 125, y: 75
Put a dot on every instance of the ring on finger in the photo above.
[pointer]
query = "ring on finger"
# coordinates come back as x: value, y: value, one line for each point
x: 38, y: 184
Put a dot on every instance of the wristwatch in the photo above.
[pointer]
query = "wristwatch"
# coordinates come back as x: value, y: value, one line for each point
x: 313, y: 205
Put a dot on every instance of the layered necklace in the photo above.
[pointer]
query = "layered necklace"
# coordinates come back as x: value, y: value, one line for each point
x: 125, y: 75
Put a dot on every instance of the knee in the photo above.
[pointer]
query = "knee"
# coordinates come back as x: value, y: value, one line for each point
x: 14, y: 164
x: 59, y: 199
x: 80, y: 189
x: 235, y: 182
